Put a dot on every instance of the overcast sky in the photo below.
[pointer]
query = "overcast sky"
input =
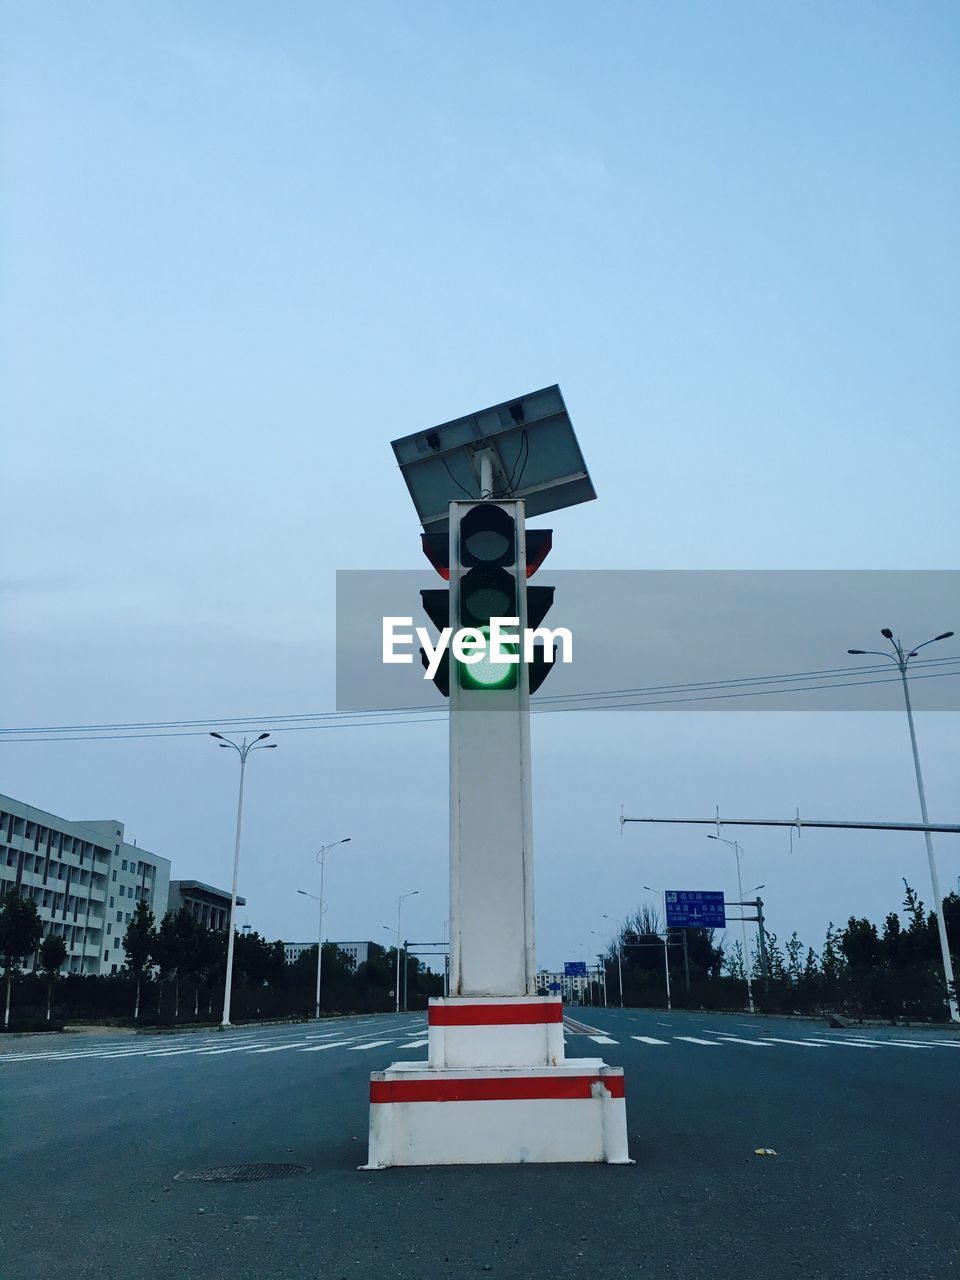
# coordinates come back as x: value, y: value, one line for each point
x: 247, y: 246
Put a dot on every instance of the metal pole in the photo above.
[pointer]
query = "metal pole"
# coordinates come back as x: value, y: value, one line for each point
x: 228, y: 985
x: 320, y: 936
x: 399, y: 901
x: 762, y: 938
x: 620, y: 963
x: 934, y: 877
x: 666, y: 957
x: 602, y: 970
x: 686, y: 961
x: 743, y: 930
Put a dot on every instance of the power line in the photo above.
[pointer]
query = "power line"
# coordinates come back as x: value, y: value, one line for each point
x: 352, y: 720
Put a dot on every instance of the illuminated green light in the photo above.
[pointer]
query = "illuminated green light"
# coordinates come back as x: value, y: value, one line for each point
x: 490, y: 675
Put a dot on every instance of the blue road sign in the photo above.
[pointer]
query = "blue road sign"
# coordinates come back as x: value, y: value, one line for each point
x: 553, y: 986
x: 573, y: 968
x: 695, y: 909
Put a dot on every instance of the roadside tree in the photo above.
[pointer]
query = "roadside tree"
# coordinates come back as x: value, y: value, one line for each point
x: 139, y: 942
x: 53, y: 952
x: 20, y: 931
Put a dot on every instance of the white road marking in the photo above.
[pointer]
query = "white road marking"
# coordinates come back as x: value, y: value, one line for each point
x: 237, y: 1048
x: 603, y: 1040
x: 811, y: 1043
x: 276, y: 1048
x: 741, y: 1040
x: 331, y: 1044
x: 898, y: 1044
x: 850, y: 1044
x: 649, y: 1040
x: 694, y: 1040
x: 370, y: 1044
x: 415, y: 1044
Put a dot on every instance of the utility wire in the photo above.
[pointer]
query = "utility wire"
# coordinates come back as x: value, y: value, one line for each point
x: 348, y: 720
x: 745, y: 682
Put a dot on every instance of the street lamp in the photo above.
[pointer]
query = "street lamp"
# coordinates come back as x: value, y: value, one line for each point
x: 902, y: 658
x: 619, y: 928
x: 321, y: 854
x: 734, y: 845
x: 242, y: 749
x: 400, y: 900
x: 666, y: 959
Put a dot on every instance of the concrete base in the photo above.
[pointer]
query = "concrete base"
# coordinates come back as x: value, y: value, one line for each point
x: 573, y: 1112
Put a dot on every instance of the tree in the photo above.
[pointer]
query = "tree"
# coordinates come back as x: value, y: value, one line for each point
x: 185, y: 930
x: 165, y: 954
x: 20, y: 931
x: 53, y: 952
x: 139, y: 942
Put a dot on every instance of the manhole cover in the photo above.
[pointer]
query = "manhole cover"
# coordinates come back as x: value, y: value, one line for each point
x: 242, y: 1173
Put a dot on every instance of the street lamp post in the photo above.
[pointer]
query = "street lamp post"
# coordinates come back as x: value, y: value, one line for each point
x: 666, y: 957
x: 619, y: 927
x: 734, y: 845
x: 316, y: 1011
x: 242, y: 749
x: 321, y: 855
x: 400, y: 900
x: 902, y: 658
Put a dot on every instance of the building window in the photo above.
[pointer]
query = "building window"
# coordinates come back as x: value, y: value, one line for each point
x: 109, y: 929
x: 106, y: 955
x: 114, y: 873
x: 116, y: 850
x: 119, y: 915
x: 122, y: 891
x: 111, y: 900
x: 128, y: 917
x: 124, y: 864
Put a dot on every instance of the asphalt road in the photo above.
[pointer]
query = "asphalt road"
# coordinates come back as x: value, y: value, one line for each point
x: 865, y: 1124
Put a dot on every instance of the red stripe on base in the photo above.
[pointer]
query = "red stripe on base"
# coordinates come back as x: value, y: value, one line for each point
x: 490, y: 1015
x: 493, y: 1090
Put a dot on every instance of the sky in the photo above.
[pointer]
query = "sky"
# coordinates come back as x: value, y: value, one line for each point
x: 245, y: 247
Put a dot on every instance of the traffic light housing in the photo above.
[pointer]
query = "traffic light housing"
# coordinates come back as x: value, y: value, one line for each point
x: 490, y: 581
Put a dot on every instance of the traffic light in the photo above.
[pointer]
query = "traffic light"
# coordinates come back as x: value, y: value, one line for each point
x: 486, y: 543
x: 488, y: 589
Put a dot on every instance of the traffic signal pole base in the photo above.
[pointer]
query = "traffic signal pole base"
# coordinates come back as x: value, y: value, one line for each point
x: 508, y: 1115
x: 497, y: 1090
x: 495, y: 1031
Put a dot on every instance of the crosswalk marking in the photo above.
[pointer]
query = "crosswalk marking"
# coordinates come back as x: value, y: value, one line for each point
x: 331, y: 1044
x: 370, y: 1044
x: 276, y: 1048
x: 237, y: 1048
x: 649, y: 1040
x: 415, y: 1044
x: 603, y: 1040
x: 850, y: 1044
x: 764, y: 1044
x: 898, y: 1044
x: 813, y: 1044
x: 695, y: 1040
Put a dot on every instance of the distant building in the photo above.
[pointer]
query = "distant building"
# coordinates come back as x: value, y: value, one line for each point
x: 205, y: 903
x: 357, y: 951
x: 570, y: 987
x: 84, y: 877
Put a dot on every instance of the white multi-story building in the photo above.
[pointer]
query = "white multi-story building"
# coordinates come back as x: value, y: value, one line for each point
x: 570, y: 987
x: 84, y: 877
x: 357, y: 951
